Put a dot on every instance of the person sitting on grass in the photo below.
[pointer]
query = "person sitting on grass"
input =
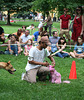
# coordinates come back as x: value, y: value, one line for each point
x: 53, y: 40
x: 61, y: 45
x: 35, y: 64
x: 13, y: 46
x: 19, y: 33
x: 8, y: 40
x: 43, y: 33
x: 2, y: 37
x: 31, y: 27
x: 28, y: 47
x: 78, y: 49
x: 6, y: 43
x: 36, y: 34
x: 25, y: 37
x: 23, y: 29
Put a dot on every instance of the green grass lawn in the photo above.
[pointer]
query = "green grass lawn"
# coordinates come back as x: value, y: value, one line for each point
x: 13, y: 88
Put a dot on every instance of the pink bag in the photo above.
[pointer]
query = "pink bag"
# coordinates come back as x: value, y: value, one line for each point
x: 55, y: 76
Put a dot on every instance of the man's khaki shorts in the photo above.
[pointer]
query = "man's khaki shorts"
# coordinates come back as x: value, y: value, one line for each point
x: 66, y: 32
x: 30, y: 75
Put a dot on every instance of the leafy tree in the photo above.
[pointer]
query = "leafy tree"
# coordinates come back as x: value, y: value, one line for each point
x: 44, y: 5
x: 47, y: 5
x: 15, y: 6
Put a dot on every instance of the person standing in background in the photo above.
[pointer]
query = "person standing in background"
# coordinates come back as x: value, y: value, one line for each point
x: 49, y: 23
x: 78, y: 24
x: 64, y: 25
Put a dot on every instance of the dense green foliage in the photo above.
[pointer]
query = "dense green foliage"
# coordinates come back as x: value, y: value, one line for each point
x: 47, y: 5
x: 15, y: 6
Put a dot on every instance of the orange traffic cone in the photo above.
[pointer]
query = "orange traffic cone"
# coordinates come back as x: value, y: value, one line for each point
x: 73, y: 71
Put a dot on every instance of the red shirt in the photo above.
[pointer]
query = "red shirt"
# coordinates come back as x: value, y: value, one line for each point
x: 65, y: 21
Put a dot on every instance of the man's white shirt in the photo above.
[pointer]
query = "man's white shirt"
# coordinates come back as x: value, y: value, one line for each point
x: 25, y: 38
x: 36, y: 55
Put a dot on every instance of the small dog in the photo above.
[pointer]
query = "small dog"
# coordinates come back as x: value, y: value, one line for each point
x: 7, y: 66
x: 55, y: 77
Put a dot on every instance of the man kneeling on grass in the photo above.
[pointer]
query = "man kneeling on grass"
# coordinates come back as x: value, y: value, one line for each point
x: 35, y: 65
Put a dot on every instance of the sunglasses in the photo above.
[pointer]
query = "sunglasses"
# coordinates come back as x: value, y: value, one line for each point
x: 78, y: 9
x: 79, y: 39
x: 65, y: 10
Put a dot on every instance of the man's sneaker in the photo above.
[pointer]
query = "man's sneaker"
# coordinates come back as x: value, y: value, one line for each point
x: 16, y: 54
x: 21, y: 49
x: 71, y: 57
x: 22, y: 77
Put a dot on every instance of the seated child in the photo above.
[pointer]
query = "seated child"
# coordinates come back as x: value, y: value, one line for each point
x: 28, y: 47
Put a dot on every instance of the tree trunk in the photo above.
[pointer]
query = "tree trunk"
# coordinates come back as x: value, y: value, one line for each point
x: 43, y: 16
x: 8, y: 18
